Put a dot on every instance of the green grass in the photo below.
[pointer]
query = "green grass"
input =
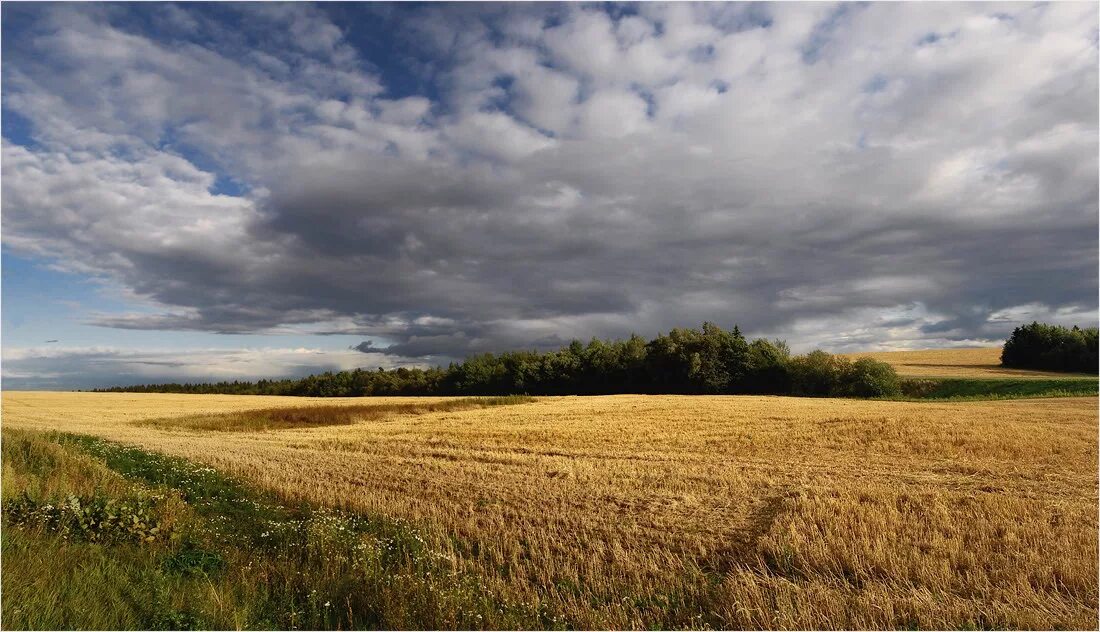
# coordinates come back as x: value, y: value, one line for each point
x: 326, y: 415
x: 227, y: 556
x: 964, y: 389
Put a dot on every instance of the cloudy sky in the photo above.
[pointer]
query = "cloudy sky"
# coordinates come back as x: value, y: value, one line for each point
x: 209, y: 191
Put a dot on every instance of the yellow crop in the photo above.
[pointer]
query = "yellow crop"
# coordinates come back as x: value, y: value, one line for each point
x: 769, y: 512
x: 983, y: 362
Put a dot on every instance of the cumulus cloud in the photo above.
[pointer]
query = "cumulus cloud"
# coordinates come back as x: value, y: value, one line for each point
x: 821, y: 173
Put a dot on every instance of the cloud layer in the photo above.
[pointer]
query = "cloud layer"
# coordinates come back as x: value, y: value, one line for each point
x: 52, y: 367
x: 852, y: 176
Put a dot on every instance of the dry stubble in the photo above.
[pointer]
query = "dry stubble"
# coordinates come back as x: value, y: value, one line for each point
x: 981, y: 362
x: 632, y: 511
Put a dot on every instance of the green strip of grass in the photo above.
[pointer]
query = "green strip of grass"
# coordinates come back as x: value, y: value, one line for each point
x: 226, y: 557
x: 972, y: 389
x: 230, y: 556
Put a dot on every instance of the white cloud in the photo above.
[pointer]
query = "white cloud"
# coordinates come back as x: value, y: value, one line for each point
x: 100, y: 207
x: 1022, y: 314
x: 784, y: 166
x: 546, y: 98
x: 495, y: 135
x: 612, y: 114
x: 585, y: 44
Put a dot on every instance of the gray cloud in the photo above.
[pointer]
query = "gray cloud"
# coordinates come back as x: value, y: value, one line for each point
x: 98, y: 367
x: 881, y: 175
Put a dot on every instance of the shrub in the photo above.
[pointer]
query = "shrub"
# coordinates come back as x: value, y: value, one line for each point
x: 867, y: 377
x: 917, y: 388
x: 817, y: 374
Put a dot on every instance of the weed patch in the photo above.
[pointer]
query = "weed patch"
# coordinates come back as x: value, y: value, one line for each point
x: 320, y: 416
x: 95, y: 518
x: 962, y: 389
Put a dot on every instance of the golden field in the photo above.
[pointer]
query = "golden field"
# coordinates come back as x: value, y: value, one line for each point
x: 982, y: 362
x: 640, y: 511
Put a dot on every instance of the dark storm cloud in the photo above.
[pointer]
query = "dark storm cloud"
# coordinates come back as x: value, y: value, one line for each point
x: 834, y: 176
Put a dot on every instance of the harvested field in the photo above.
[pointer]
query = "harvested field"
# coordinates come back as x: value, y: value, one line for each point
x: 982, y: 362
x: 667, y: 511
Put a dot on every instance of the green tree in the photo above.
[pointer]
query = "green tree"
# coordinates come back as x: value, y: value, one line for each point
x: 1051, y: 348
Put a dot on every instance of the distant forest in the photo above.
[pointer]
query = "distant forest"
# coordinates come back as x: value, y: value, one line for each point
x: 1052, y: 348
x: 708, y: 360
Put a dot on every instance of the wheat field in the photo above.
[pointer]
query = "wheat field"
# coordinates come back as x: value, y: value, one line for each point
x: 672, y: 511
x: 981, y: 362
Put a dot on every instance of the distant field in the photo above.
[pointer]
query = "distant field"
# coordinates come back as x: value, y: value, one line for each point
x: 670, y: 511
x: 984, y: 362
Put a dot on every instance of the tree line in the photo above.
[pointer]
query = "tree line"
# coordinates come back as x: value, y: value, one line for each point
x: 709, y: 360
x: 1046, y: 347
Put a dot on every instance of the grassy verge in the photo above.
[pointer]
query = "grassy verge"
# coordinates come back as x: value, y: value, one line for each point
x: 326, y: 415
x: 102, y: 536
x: 99, y: 535
x: 962, y: 389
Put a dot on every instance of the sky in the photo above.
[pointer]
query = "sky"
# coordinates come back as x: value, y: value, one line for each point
x: 213, y: 191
